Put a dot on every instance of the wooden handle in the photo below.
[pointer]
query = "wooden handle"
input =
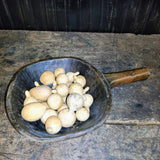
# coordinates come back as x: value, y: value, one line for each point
x: 126, y: 77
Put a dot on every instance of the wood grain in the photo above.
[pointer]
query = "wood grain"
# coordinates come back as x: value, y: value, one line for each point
x: 126, y: 77
x: 120, y: 138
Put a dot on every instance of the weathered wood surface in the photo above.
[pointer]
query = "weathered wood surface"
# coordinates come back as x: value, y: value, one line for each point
x: 136, y: 103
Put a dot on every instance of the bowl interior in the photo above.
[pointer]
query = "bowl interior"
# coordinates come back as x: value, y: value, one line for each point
x: 24, y: 80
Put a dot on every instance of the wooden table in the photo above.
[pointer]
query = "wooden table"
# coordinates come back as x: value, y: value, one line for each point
x: 132, y: 130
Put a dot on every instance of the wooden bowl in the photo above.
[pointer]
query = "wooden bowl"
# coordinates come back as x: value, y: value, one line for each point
x: 24, y: 80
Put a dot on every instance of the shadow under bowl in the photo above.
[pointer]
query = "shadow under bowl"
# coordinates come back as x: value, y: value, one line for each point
x: 24, y: 79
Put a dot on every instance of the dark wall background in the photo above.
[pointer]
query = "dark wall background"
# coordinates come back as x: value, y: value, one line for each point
x: 116, y: 16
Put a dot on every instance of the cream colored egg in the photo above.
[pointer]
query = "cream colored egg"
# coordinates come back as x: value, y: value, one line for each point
x: 58, y: 71
x: 80, y: 79
x: 41, y: 92
x: 47, y: 78
x: 47, y: 114
x: 33, y: 111
x: 55, y: 101
x: 62, y: 89
x: 67, y: 118
x: 88, y: 100
x: 53, y: 125
x: 62, y: 78
x: 82, y: 114
x: 75, y: 101
x: 75, y: 88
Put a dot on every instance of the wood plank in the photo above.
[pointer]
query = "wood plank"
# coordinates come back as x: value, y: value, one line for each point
x: 131, y: 131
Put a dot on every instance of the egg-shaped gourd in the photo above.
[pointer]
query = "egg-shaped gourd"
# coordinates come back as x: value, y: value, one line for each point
x: 33, y: 111
x: 80, y: 79
x: 29, y: 98
x: 55, y: 101
x: 53, y: 125
x: 75, y: 88
x: 75, y: 101
x: 88, y: 100
x: 41, y: 92
x: 64, y: 106
x: 82, y: 114
x: 67, y: 118
x: 48, y: 113
x: 62, y: 89
x: 58, y: 71
x: 62, y: 78
x: 47, y: 77
x: 71, y: 76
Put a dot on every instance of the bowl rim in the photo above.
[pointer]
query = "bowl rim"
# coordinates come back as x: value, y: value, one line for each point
x: 67, y: 135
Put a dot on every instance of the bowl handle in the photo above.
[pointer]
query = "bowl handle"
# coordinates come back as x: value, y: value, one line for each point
x: 125, y: 77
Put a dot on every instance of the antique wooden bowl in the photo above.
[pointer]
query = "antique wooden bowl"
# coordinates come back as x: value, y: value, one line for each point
x: 100, y: 86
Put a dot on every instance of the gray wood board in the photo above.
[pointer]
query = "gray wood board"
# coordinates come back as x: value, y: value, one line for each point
x: 135, y: 103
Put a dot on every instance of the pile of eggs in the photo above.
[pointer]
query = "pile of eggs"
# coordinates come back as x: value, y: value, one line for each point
x: 60, y: 105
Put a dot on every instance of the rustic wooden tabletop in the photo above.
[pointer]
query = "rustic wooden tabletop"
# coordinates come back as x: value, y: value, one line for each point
x: 132, y: 130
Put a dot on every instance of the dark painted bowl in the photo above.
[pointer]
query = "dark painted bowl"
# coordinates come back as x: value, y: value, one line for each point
x: 24, y: 80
